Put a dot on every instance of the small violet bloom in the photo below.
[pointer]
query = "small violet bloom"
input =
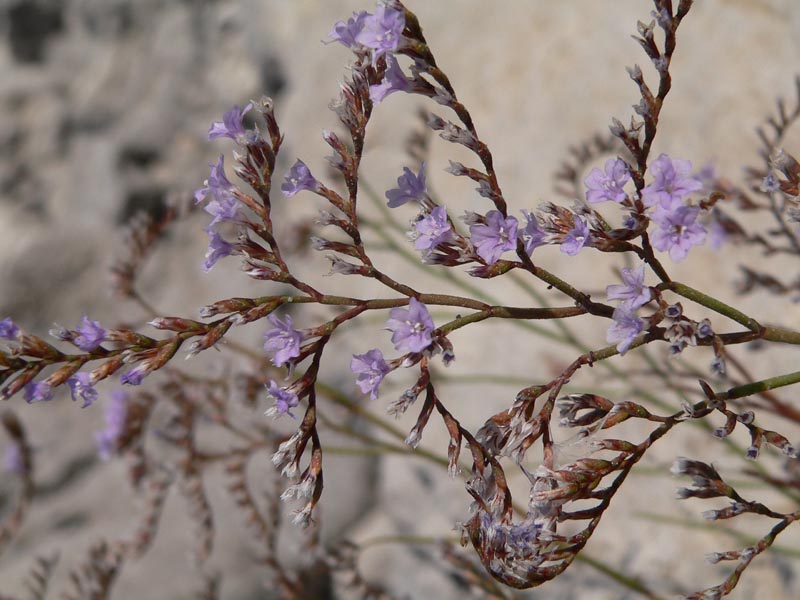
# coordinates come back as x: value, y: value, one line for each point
x: 672, y: 182
x: 298, y: 179
x: 80, y: 386
x: 8, y: 329
x: 217, y: 248
x: 90, y: 335
x: 371, y: 368
x: 411, y: 327
x: 624, y: 329
x: 393, y: 81
x: 231, y: 125
x: 432, y: 230
x: 40, y: 391
x: 136, y: 374
x: 217, y: 183
x: 409, y: 187
x: 345, y: 32
x: 115, y: 416
x: 532, y: 235
x: 576, y: 237
x: 678, y: 230
x: 608, y: 186
x: 497, y: 235
x: 285, y: 400
x: 382, y: 31
x: 283, y: 341
x: 633, y: 292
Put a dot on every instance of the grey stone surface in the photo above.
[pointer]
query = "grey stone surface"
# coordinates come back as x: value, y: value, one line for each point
x: 104, y: 105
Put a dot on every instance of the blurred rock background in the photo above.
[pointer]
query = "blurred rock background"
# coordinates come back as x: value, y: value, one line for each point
x: 104, y: 107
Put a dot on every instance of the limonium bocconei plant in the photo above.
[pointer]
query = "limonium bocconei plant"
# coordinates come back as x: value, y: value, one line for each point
x: 651, y: 211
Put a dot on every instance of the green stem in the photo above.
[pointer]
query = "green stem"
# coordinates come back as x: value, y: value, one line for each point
x: 757, y: 387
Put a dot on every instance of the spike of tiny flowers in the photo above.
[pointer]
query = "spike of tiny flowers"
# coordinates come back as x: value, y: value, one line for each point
x: 370, y: 369
x: 298, y: 179
x: 411, y: 327
x: 382, y: 31
x: 231, y: 125
x: 633, y: 292
x: 432, y: 229
x: 678, y: 230
x: 285, y: 400
x: 576, y: 238
x: 624, y: 329
x: 672, y: 182
x: 345, y: 32
x: 283, y: 341
x: 498, y: 234
x: 608, y: 186
x: 90, y: 335
x: 8, y: 329
x: 532, y: 235
x: 38, y: 391
x: 81, y: 387
x: 409, y: 188
x: 394, y: 80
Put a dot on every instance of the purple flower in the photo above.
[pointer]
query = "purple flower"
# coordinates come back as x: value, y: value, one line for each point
x: 80, y: 386
x: 672, y: 182
x: 608, y: 186
x: 231, y: 125
x: 90, y: 335
x: 39, y: 391
x: 136, y: 374
x: 345, y: 32
x: 624, y: 329
x: 411, y: 327
x: 678, y: 231
x: 432, y: 230
x: 8, y: 329
x: 298, y: 179
x: 409, y: 187
x: 13, y: 460
x: 371, y: 368
x: 115, y: 416
x: 283, y: 341
x: 633, y: 291
x: 497, y: 235
x: 284, y: 400
x: 382, y: 31
x: 217, y: 183
x: 393, y: 81
x: 576, y: 237
x: 532, y: 235
x: 217, y: 248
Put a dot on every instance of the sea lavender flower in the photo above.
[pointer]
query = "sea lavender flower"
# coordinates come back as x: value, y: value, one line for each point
x: 624, y: 329
x: 576, y: 237
x: 672, y: 182
x: 285, y: 400
x: 411, y: 327
x: 382, y: 31
x: 432, y: 229
x: 283, y: 341
x: 633, y: 292
x: 608, y: 186
x: 115, y: 416
x: 8, y: 329
x: 217, y: 183
x: 678, y: 230
x: 217, y: 248
x: 497, y: 235
x: 38, y: 391
x: 532, y: 235
x: 231, y: 125
x: 370, y: 368
x: 298, y: 179
x: 136, y: 374
x: 90, y: 335
x: 394, y: 80
x: 345, y: 32
x: 81, y: 387
x: 409, y: 187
